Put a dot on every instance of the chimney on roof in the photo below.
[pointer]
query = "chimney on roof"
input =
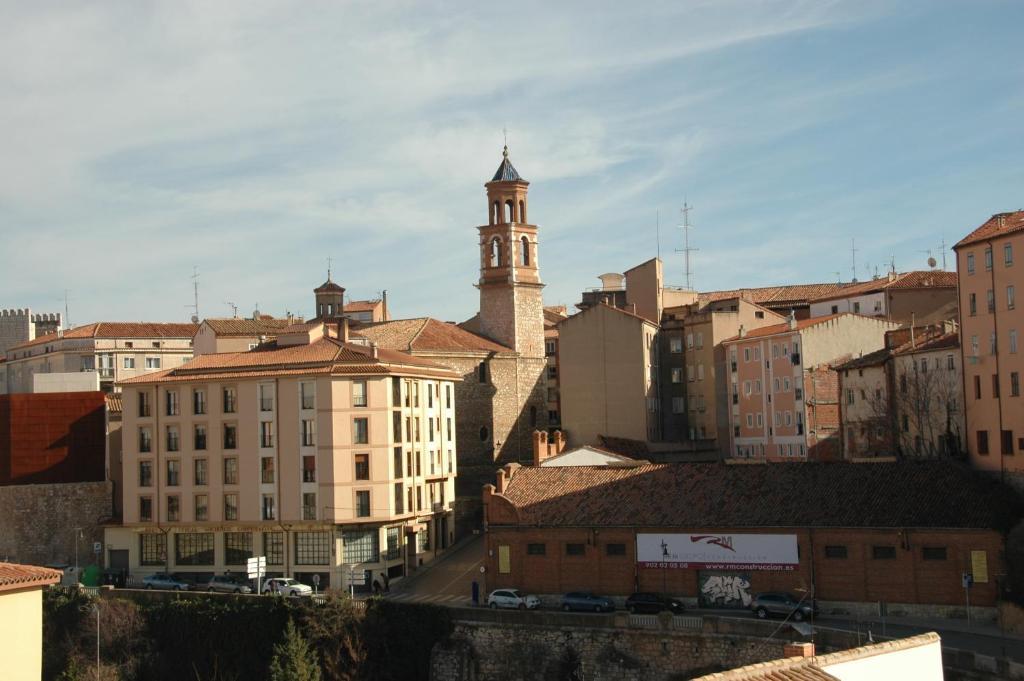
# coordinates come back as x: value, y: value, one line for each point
x: 546, y: 446
x: 743, y: 331
x: 798, y: 650
x: 343, y: 329
x: 792, y: 320
x: 892, y: 275
x: 373, y: 350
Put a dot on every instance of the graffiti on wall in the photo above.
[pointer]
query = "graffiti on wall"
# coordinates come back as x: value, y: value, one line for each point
x: 724, y: 590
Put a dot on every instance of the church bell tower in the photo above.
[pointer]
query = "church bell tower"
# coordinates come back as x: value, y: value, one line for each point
x: 511, y: 307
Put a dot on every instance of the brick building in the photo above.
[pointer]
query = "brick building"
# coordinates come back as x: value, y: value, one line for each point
x: 785, y: 394
x: 850, y: 533
x: 990, y: 326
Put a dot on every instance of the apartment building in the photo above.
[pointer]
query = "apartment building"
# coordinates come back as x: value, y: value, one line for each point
x: 608, y: 366
x: 110, y: 351
x: 236, y: 334
x: 906, y: 398
x: 328, y: 457
x: 784, y: 392
x: 922, y: 297
x: 791, y: 299
x: 991, y: 324
x: 553, y: 316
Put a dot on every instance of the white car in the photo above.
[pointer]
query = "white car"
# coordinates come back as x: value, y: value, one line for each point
x: 286, y: 586
x: 512, y: 598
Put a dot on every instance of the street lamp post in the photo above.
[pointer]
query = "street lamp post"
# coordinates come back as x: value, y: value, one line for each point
x: 78, y: 535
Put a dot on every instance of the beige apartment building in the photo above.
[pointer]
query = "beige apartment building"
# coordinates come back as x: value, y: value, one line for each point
x: 608, y: 366
x: 919, y: 298
x: 990, y: 328
x: 785, y: 403
x: 328, y: 457
x: 553, y: 316
x: 112, y: 351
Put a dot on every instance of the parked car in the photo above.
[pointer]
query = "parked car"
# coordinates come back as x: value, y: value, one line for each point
x: 584, y: 600
x: 512, y: 598
x: 162, y: 580
x: 653, y: 603
x: 781, y: 603
x: 286, y: 586
x: 228, y: 584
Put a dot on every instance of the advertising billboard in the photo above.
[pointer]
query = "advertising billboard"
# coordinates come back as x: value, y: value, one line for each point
x: 720, y: 551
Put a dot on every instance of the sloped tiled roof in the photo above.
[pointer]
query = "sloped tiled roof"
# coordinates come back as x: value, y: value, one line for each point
x: 905, y: 280
x: 872, y: 359
x: 801, y: 324
x: 16, y: 576
x: 707, y: 495
x: 554, y: 314
x: 773, y: 296
x: 118, y: 330
x: 361, y: 305
x: 506, y: 172
x: 329, y: 287
x: 324, y: 355
x: 999, y: 224
x: 425, y: 334
x: 929, y: 343
x: 113, y: 403
x: 235, y: 326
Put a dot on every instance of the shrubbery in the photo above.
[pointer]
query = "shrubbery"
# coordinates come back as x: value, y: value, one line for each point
x: 224, y: 639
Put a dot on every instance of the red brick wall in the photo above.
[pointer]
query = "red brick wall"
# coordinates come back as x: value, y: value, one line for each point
x: 821, y: 394
x: 906, y: 579
x: 52, y: 438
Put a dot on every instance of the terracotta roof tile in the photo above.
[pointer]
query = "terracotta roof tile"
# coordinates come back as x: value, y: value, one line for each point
x: 362, y: 305
x: 707, y: 495
x: 872, y: 359
x: 113, y: 403
x: 119, y: 330
x: 906, y: 280
x: 234, y: 326
x: 16, y: 576
x: 773, y: 296
x: 998, y: 225
x: 801, y: 324
x: 426, y: 334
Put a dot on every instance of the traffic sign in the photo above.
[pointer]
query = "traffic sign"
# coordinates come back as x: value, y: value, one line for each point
x: 967, y: 579
x: 256, y: 567
x: 97, y: 547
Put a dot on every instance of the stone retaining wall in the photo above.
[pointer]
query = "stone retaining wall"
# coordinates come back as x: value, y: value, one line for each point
x: 37, y: 522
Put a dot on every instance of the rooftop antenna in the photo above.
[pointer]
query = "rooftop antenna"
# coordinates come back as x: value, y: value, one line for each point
x: 234, y: 309
x: 839, y: 277
x: 687, y: 249
x: 931, y: 260
x: 657, y: 231
x: 329, y: 268
x: 853, y: 259
x: 195, y: 294
x: 67, y: 315
x: 892, y: 264
x: 942, y: 248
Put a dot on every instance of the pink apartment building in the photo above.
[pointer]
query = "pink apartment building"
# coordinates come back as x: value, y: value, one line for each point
x: 784, y: 394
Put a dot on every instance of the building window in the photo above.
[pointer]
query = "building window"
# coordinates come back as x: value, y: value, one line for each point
x: 193, y: 548
x: 145, y: 440
x: 199, y: 472
x: 144, y: 406
x: 972, y: 304
x: 977, y: 387
x: 231, y: 471
x: 982, y: 437
x: 615, y: 549
x: 448, y: 396
x: 360, y: 431
x: 995, y: 385
x: 358, y: 393
x: 152, y: 362
x: 230, y: 435
x: 399, y: 498
x: 1007, y: 441
x: 933, y: 553
x: 309, y: 468
x: 363, y: 504
x: 145, y: 510
x: 970, y: 263
x: 362, y: 466
x: 273, y: 547
x: 309, y: 506
x: 549, y: 348
x: 1013, y: 341
x: 837, y: 552
x: 266, y: 397
x: 198, y: 402
x: 266, y: 433
x: 394, y: 543
x: 1010, y: 299
x: 990, y: 300
x: 173, y: 470
x: 575, y: 549
x: 173, y: 509
x: 229, y: 400
x: 1008, y: 254
x: 268, y: 507
x: 237, y: 548
x: 675, y: 345
x: 481, y: 372
x: 988, y: 258
x: 1014, y: 384
x: 230, y: 507
x: 307, y: 393
x: 484, y: 433
x: 145, y: 474
x: 419, y: 493
x: 267, y: 470
x: 152, y: 549
x: 361, y: 546
x: 129, y: 362
x: 199, y: 437
x: 525, y: 248
x: 172, y: 439
x: 883, y: 552
x: 171, y: 399
x: 536, y: 549
x: 309, y: 433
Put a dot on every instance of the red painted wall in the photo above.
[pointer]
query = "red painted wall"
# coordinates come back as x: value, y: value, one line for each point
x: 52, y: 438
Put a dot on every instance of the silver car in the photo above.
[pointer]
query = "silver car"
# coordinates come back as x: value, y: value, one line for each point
x: 162, y: 580
x: 228, y: 584
x: 512, y: 598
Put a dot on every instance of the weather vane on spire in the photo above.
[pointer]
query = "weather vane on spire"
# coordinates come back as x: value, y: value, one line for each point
x: 504, y: 132
x: 328, y: 268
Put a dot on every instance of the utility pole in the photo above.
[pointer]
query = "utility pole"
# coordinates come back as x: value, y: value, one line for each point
x: 687, y: 249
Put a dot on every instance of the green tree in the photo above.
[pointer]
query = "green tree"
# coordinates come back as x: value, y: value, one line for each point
x: 293, y: 660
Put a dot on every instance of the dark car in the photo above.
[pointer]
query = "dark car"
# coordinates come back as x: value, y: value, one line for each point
x: 782, y: 604
x: 653, y: 603
x: 586, y: 601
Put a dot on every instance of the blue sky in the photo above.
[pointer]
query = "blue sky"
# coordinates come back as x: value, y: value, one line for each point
x: 253, y: 140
